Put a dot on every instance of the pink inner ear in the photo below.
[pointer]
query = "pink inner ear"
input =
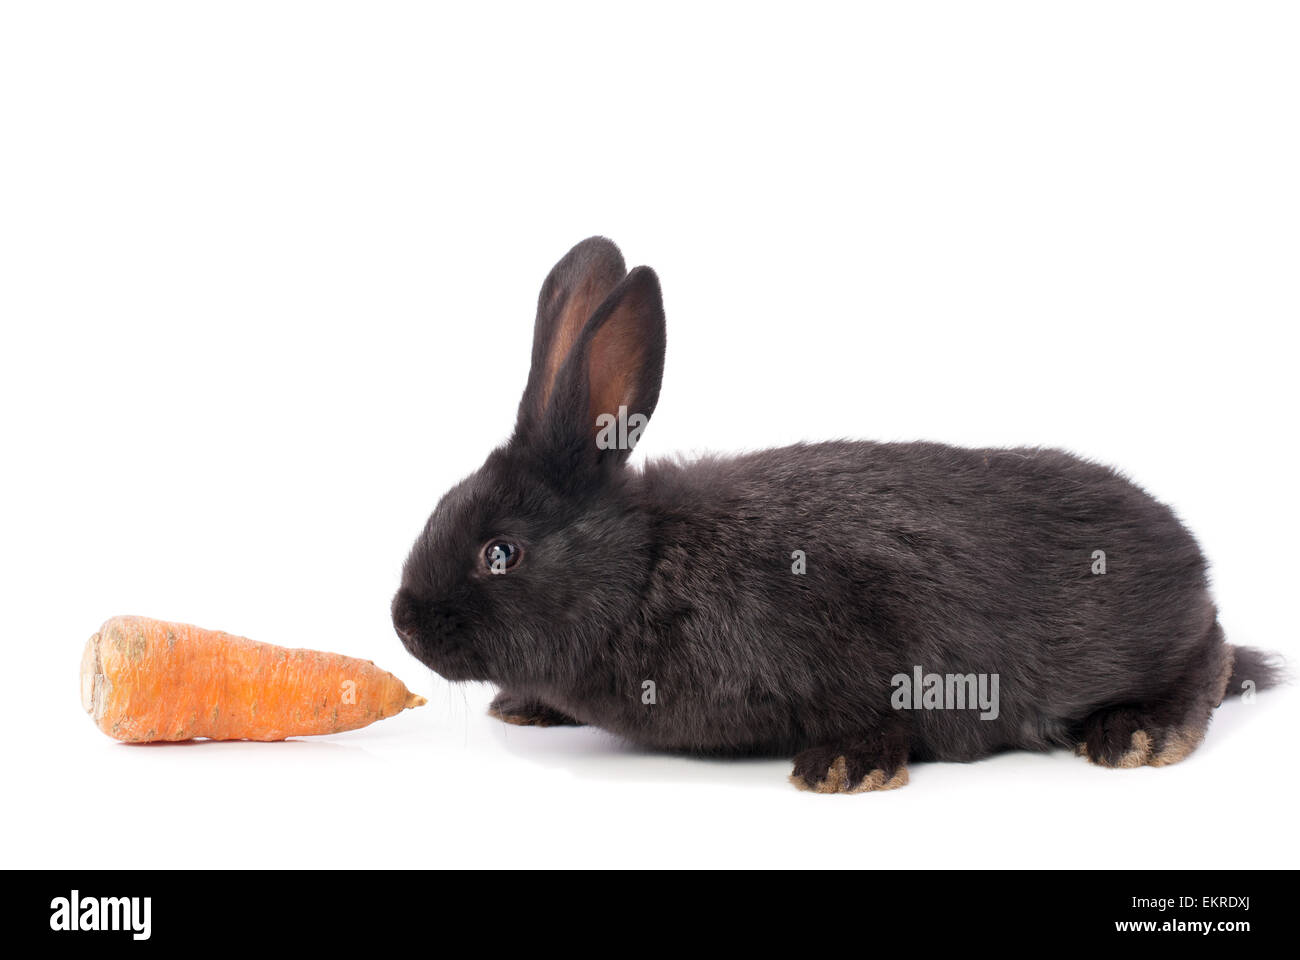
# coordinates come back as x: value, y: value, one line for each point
x: 612, y: 362
x: 582, y: 303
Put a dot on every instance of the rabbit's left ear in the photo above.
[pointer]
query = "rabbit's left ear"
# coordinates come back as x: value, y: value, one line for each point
x: 609, y: 385
x: 573, y: 291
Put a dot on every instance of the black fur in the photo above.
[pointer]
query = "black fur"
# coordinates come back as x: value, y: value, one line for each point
x: 956, y: 560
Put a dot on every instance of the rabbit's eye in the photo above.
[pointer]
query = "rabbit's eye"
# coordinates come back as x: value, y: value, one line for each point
x: 500, y: 556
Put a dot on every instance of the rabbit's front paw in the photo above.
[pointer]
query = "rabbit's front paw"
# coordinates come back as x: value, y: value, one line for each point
x: 526, y: 712
x: 854, y: 769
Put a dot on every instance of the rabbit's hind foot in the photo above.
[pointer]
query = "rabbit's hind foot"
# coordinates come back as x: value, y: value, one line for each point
x: 1127, y: 737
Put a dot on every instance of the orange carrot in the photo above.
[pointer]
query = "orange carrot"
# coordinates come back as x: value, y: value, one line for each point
x: 145, y: 679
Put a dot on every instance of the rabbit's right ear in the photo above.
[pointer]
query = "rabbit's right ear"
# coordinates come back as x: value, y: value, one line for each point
x: 576, y: 286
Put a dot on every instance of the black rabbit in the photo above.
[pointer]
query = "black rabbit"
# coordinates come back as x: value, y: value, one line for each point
x: 796, y: 601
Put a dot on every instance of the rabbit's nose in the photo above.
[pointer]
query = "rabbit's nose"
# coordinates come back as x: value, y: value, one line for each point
x: 405, y: 616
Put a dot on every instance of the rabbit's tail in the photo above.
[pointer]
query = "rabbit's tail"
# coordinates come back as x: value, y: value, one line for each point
x: 1253, y: 670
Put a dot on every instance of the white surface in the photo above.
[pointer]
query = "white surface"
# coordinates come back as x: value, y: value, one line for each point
x: 267, y: 274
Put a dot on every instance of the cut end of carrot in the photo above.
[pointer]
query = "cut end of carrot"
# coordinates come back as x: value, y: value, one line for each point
x: 415, y: 700
x: 92, y: 675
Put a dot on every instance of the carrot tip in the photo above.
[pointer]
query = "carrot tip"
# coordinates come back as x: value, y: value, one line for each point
x: 415, y: 700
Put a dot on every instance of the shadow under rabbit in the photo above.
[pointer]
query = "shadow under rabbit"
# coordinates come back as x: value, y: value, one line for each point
x: 593, y: 753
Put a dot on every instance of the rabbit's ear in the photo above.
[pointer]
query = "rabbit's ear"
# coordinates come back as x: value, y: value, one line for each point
x: 609, y: 386
x: 576, y: 286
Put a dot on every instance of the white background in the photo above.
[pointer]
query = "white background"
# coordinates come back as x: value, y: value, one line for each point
x: 267, y: 275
